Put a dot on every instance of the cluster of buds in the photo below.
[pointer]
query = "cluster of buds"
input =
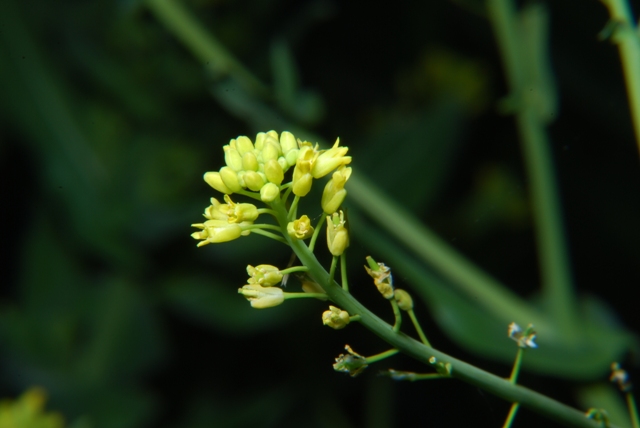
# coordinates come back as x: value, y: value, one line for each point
x: 381, y: 275
x: 258, y: 167
x: 225, y: 222
x: 260, y: 290
x: 525, y: 339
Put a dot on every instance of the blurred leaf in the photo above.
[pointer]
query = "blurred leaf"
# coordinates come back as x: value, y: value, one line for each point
x: 410, y: 156
x: 605, y: 396
x: 43, y: 326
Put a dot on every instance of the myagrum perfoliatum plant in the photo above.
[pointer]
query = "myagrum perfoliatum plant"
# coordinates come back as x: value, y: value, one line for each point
x: 259, y: 170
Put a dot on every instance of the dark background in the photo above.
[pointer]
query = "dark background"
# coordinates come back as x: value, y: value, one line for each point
x: 108, y: 123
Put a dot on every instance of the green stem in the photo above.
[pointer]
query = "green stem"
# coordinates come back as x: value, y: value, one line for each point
x: 633, y: 410
x: 294, y: 208
x: 418, y: 328
x: 489, y: 382
x: 270, y: 235
x: 332, y: 270
x: 255, y: 227
x: 289, y: 187
x: 316, y: 232
x: 202, y: 44
x: 628, y: 41
x: 288, y: 296
x: 381, y: 356
x: 353, y: 318
x: 267, y: 211
x: 516, y: 366
x: 343, y: 272
x: 512, y: 415
x: 252, y: 195
x: 397, y: 314
x: 294, y: 269
x: 556, y: 279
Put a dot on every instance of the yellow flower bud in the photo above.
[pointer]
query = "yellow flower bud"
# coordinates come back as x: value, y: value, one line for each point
x: 213, y: 179
x: 265, y: 275
x: 250, y: 162
x: 291, y: 157
x: 244, y: 145
x: 271, y: 149
x: 300, y: 228
x: 232, y: 158
x: 269, y: 192
x: 254, y: 180
x: 330, y: 159
x: 216, y: 231
x: 404, y: 300
x: 273, y: 134
x: 334, y: 192
x: 288, y: 142
x: 337, y: 234
x: 273, y: 171
x: 335, y: 318
x: 260, y: 141
x: 262, y: 297
x: 230, y: 179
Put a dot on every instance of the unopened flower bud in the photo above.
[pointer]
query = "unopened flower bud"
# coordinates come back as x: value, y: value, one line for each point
x: 271, y: 149
x: 262, y: 297
x: 287, y: 142
x: 269, y: 192
x: 230, y: 179
x: 244, y: 145
x: 250, y: 162
x: 232, y: 158
x: 335, y: 318
x: 213, y: 179
x: 404, y: 300
x: 265, y: 275
x: 260, y: 141
x: 254, y: 180
x: 273, y: 171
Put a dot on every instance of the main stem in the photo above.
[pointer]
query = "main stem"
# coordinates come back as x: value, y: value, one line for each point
x: 491, y: 383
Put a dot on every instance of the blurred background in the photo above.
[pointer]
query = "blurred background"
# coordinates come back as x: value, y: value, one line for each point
x: 108, y: 121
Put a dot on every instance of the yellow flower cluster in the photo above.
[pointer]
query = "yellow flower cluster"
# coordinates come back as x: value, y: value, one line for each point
x: 258, y: 167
